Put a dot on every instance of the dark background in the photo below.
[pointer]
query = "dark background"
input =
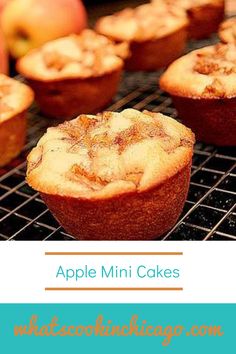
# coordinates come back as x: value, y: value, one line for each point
x: 98, y: 8
x: 105, y: 7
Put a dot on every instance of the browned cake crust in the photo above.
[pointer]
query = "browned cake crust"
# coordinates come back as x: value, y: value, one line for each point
x: 203, y: 88
x: 156, y: 34
x: 15, y: 98
x: 204, y: 15
x: 114, y: 176
x: 212, y: 120
x: 135, y: 216
x: 155, y: 54
x: 12, y: 137
x: 73, y: 75
x: 66, y: 99
x: 205, y: 19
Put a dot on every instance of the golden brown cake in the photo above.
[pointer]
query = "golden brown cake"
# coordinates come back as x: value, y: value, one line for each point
x: 15, y: 98
x: 204, y: 15
x: 156, y: 34
x: 203, y: 86
x: 227, y: 31
x: 75, y: 74
x: 114, y: 176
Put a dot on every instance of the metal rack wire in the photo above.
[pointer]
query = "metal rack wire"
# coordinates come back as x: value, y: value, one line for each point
x: 210, y: 209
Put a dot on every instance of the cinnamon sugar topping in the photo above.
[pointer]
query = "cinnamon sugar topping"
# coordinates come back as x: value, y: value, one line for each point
x: 84, y: 55
x: 82, y: 131
x: 219, y: 60
x: 91, y: 152
x: 145, y: 22
x: 208, y: 72
x: 215, y: 89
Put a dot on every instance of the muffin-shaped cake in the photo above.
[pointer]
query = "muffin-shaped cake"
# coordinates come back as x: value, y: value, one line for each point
x: 15, y: 98
x: 75, y: 74
x: 227, y: 31
x: 114, y: 176
x: 203, y: 87
x: 204, y: 15
x: 156, y: 34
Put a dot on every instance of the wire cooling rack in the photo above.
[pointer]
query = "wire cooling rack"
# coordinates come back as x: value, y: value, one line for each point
x: 210, y: 209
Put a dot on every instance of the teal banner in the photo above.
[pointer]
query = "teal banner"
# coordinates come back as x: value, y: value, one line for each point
x: 118, y: 328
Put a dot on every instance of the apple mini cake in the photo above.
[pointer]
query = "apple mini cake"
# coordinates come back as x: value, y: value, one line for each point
x: 156, y: 34
x: 75, y: 74
x: 203, y: 86
x: 227, y: 31
x: 114, y: 176
x: 15, y: 99
x: 204, y: 15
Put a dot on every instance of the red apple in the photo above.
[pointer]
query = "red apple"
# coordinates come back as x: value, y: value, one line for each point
x: 28, y: 24
x: 3, y: 56
x: 2, y: 4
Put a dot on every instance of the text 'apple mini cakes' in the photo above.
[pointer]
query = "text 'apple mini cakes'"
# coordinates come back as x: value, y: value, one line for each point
x: 75, y: 74
x: 227, y: 31
x: 114, y: 175
x: 15, y: 99
x: 157, y: 34
x: 204, y: 15
x: 203, y: 86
